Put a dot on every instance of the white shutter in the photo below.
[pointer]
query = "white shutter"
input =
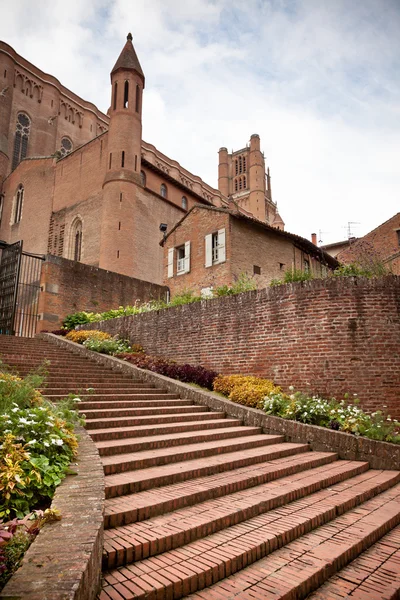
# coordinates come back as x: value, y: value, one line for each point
x: 187, y: 257
x: 170, y: 262
x: 208, y: 240
x: 221, y: 246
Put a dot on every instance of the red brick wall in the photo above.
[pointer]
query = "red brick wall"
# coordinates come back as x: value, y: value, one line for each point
x: 68, y: 286
x: 382, y: 244
x: 329, y: 336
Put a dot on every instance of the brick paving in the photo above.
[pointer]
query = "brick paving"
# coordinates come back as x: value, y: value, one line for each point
x: 199, y: 505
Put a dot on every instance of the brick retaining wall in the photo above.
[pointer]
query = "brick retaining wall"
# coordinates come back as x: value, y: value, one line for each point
x: 380, y: 455
x: 64, y: 562
x: 328, y: 336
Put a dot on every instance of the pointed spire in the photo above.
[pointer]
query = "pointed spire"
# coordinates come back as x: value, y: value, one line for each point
x: 128, y: 59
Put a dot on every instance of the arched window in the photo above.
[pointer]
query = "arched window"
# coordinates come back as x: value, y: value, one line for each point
x: 240, y: 164
x: 244, y: 164
x: 126, y: 94
x: 240, y: 183
x: 236, y: 167
x: 115, y: 95
x: 76, y: 240
x: 236, y: 185
x: 143, y: 178
x: 137, y: 98
x: 66, y: 146
x: 21, y: 138
x: 244, y: 182
x: 163, y: 190
x: 19, y: 200
x: 184, y: 202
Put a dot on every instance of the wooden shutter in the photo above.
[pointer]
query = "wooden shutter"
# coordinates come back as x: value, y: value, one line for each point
x: 208, y: 240
x: 187, y: 257
x: 170, y: 262
x: 221, y: 246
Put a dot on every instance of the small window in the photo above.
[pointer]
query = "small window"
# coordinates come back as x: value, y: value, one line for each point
x: 66, y: 146
x: 256, y: 270
x: 110, y: 161
x: 306, y: 265
x: 398, y: 236
x: 123, y: 159
x: 215, y: 247
x: 163, y: 190
x: 137, y: 107
x: 126, y: 94
x: 143, y: 178
x: 115, y: 95
x: 180, y: 259
x: 281, y: 266
x: 184, y: 202
x: 1, y: 205
x: 19, y: 200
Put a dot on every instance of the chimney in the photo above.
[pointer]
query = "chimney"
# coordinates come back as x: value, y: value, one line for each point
x: 314, y: 238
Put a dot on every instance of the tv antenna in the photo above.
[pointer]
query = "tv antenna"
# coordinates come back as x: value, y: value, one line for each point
x: 349, y: 228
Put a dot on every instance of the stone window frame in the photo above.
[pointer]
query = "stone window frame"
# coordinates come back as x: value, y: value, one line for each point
x: 21, y: 139
x: 76, y: 239
x: 16, y: 214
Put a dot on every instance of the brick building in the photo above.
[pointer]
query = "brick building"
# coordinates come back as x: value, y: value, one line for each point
x: 382, y: 245
x: 83, y: 185
x: 211, y: 247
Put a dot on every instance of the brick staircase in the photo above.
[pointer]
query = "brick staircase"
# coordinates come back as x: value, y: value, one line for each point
x: 200, y: 506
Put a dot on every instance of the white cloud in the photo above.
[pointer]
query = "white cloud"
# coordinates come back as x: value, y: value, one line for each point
x: 317, y: 80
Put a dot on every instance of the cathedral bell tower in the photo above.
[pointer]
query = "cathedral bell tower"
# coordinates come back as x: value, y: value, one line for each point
x: 123, y: 162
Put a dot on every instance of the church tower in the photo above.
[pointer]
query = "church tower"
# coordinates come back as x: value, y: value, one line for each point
x: 242, y: 175
x: 123, y: 162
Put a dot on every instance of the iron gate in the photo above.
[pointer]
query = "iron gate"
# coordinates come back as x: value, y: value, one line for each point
x: 19, y: 290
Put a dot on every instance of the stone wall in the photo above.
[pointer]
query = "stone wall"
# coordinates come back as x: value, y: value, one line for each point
x: 65, y: 559
x: 68, y: 286
x: 328, y: 336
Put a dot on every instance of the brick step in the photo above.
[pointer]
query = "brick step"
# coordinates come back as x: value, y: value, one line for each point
x: 119, y: 389
x: 90, y: 370
x: 120, y: 433
x: 375, y: 574
x: 132, y: 396
x: 144, y: 505
x: 177, y: 573
x: 104, y: 386
x: 138, y: 481
x: 161, y: 456
x: 112, y: 447
x: 53, y: 361
x: 93, y: 381
x: 195, y: 415
x: 160, y: 401
x: 292, y: 572
x: 175, y: 529
x: 114, y: 413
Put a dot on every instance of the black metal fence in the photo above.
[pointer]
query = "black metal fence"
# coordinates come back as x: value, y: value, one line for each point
x: 19, y: 290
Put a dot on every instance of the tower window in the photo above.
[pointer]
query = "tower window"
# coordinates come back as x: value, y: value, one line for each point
x: 115, y: 95
x: 137, y: 98
x: 123, y: 159
x: 244, y: 164
x: 126, y: 94
x: 240, y: 183
x: 240, y: 165
x: 21, y: 139
x: 66, y: 146
x: 184, y: 202
x: 1, y: 205
x: 143, y: 178
x: 236, y: 167
x: 244, y: 182
x: 110, y: 162
x: 163, y: 190
x: 18, y: 204
x: 236, y: 185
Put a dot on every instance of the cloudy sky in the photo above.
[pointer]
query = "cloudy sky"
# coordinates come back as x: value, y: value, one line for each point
x: 318, y: 80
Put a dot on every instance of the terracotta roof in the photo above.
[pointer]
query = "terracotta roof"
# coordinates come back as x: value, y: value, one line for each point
x: 299, y: 241
x: 128, y: 59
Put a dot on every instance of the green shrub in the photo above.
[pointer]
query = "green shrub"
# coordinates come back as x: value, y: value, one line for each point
x: 80, y: 336
x: 244, y: 283
x: 371, y: 268
x: 107, y: 346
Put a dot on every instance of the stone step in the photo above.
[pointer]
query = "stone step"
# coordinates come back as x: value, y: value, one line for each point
x: 113, y: 413
x: 93, y: 381
x: 112, y: 447
x: 175, y: 529
x: 105, y: 412
x: 202, y: 563
x: 195, y: 415
x: 161, y: 456
x: 295, y: 570
x: 374, y: 574
x: 121, y: 433
x: 104, y: 404
x: 150, y: 503
x: 137, y: 481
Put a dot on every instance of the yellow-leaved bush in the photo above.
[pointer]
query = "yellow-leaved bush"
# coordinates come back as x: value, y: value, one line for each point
x: 81, y: 336
x: 244, y: 389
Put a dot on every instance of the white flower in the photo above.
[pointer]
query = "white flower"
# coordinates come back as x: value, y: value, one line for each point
x: 46, y: 444
x: 31, y: 442
x: 24, y: 421
x: 78, y: 399
x: 291, y: 388
x: 14, y: 410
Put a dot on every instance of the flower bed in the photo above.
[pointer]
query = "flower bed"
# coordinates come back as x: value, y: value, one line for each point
x: 37, y: 446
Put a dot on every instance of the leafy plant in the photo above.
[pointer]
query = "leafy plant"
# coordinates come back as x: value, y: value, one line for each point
x: 107, y: 346
x: 244, y: 283
x: 79, y: 337
x: 244, y: 389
